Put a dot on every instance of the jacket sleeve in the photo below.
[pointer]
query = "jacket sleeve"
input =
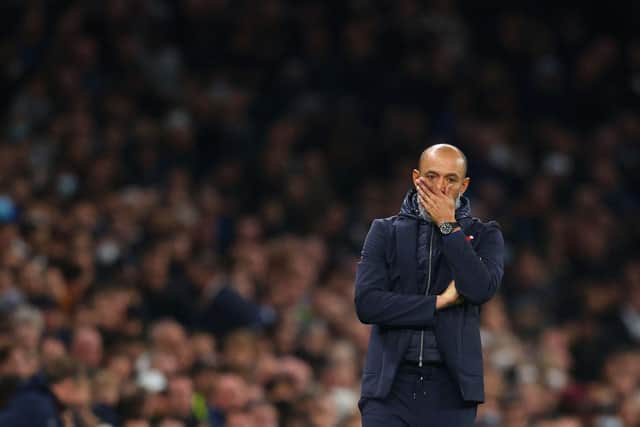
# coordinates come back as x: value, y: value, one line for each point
x: 477, y: 274
x: 375, y: 304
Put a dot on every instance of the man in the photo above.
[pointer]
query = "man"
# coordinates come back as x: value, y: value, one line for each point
x: 86, y: 347
x: 9, y: 380
x: 180, y: 401
x: 46, y: 399
x: 420, y: 282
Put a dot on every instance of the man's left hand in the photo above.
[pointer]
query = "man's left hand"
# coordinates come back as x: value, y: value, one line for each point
x: 440, y: 206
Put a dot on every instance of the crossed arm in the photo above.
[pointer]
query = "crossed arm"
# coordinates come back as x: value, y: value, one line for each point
x: 476, y: 278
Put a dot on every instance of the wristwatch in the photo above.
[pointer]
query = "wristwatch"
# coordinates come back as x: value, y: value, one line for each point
x: 448, y: 227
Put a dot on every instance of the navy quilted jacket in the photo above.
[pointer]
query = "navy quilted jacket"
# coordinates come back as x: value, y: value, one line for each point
x: 388, y: 297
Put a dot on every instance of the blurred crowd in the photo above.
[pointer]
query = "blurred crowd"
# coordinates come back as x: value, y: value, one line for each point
x: 185, y: 187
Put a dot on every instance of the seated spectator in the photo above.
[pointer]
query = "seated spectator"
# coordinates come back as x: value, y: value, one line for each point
x: 48, y: 397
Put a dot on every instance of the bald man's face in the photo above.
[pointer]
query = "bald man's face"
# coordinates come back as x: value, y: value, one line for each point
x: 443, y: 171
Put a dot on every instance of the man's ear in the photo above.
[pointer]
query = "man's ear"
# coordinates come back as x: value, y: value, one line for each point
x: 465, y: 185
x: 415, y: 174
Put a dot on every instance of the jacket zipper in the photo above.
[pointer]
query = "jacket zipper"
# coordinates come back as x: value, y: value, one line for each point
x: 426, y: 292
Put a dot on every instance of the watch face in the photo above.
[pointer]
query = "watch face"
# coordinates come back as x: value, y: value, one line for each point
x: 446, y: 228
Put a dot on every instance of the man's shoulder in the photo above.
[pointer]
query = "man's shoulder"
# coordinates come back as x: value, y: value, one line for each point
x: 37, y: 404
x: 387, y: 222
x: 383, y: 227
x: 389, y: 219
x: 34, y: 399
x: 479, y: 226
x: 485, y: 223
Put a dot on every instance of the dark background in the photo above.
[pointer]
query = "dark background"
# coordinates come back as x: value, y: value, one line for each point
x: 185, y: 187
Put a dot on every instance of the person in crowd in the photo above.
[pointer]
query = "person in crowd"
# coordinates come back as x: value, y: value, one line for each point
x: 56, y: 396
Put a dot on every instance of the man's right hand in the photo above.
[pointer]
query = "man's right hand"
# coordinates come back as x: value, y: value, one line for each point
x: 449, y: 297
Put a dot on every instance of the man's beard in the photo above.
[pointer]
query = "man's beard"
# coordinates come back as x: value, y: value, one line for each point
x: 425, y: 215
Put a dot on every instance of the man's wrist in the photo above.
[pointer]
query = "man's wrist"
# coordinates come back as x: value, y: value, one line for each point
x: 438, y: 223
x: 448, y: 227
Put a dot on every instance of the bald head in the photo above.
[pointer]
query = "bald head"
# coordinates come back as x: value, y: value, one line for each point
x: 444, y: 151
